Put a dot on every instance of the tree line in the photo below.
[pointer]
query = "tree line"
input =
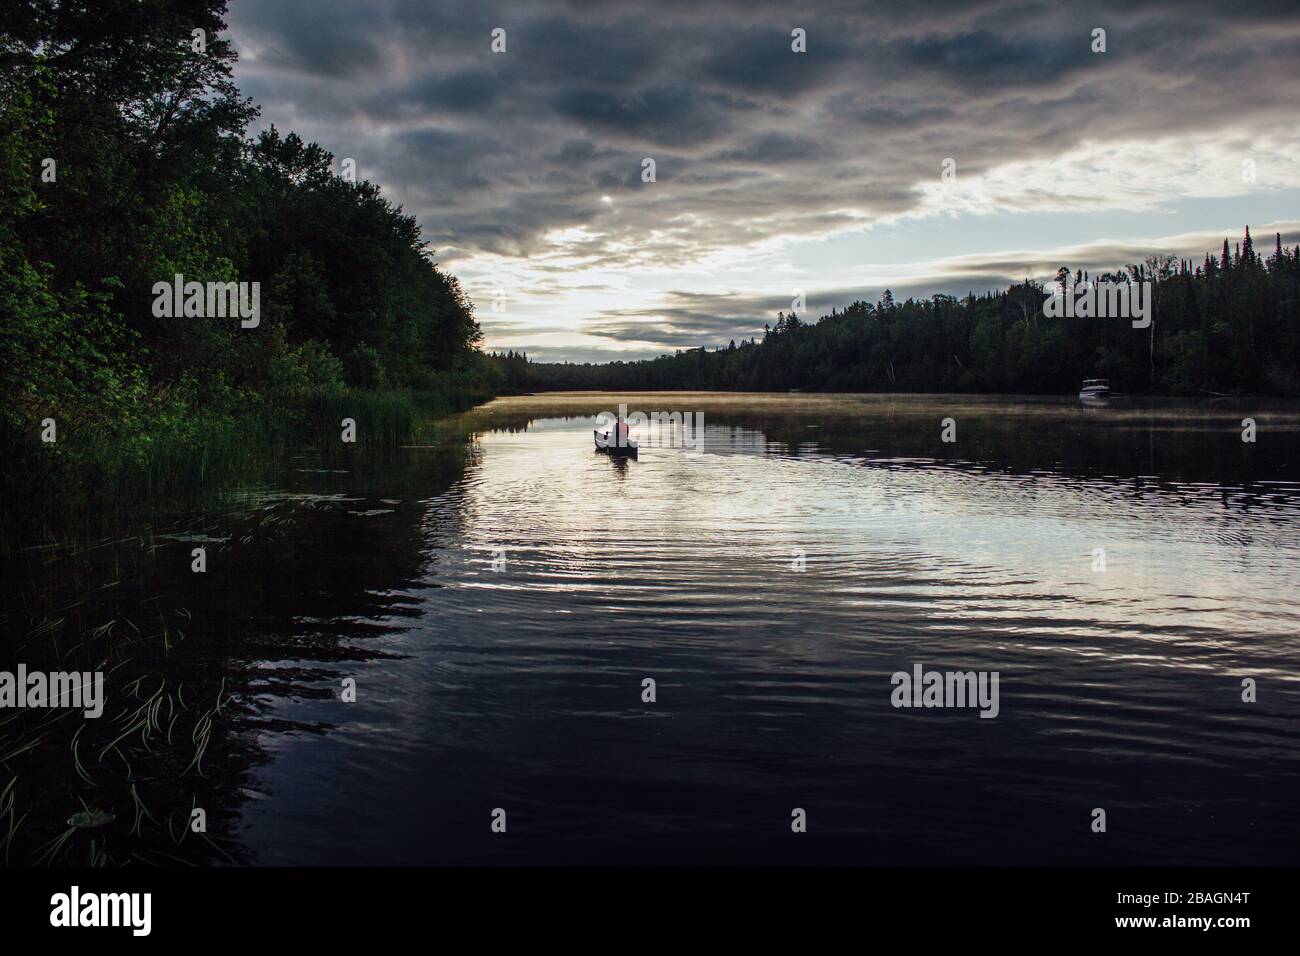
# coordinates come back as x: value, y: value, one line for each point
x: 1229, y: 324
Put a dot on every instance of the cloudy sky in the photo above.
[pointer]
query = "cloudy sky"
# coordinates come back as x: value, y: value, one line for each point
x: 778, y: 171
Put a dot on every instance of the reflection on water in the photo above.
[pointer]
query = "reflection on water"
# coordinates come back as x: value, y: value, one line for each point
x: 498, y: 598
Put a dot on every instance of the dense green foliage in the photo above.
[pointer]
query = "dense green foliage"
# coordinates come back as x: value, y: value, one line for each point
x: 1230, y: 324
x: 124, y: 159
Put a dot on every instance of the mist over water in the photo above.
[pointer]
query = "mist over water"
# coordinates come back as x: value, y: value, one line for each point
x: 520, y: 687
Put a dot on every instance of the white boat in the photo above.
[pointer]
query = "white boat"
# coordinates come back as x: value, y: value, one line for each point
x: 1095, y: 388
x: 605, y: 442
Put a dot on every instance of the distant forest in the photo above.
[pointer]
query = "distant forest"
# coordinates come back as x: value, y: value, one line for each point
x: 1230, y: 325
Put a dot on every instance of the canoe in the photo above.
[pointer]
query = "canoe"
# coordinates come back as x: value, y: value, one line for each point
x: 606, y: 445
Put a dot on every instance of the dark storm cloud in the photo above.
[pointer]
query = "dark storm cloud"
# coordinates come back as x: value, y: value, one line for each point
x: 467, y: 90
x: 665, y: 114
x: 993, y: 61
x: 562, y: 50
x: 769, y: 148
x: 326, y: 40
x: 494, y: 151
x: 759, y: 61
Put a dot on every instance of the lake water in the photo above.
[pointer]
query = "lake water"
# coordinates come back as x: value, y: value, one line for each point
x: 500, y: 594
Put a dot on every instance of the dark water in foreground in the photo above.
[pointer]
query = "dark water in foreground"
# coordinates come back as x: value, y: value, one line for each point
x: 520, y: 687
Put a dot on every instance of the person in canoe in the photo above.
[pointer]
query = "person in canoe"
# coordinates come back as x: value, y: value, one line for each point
x: 616, y: 439
x: 620, y: 439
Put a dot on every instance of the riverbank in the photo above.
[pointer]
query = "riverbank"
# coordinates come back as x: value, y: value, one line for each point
x: 68, y: 479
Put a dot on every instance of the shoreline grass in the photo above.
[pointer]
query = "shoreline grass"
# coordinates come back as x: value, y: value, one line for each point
x: 93, y: 478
